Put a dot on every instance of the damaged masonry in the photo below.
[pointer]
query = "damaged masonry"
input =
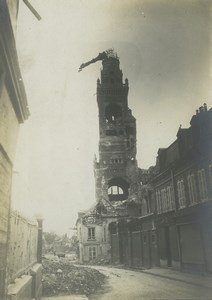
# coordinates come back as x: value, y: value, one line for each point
x: 160, y: 217
x: 116, y: 171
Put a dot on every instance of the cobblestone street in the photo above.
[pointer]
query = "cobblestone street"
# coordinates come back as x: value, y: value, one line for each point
x: 147, y: 284
x: 70, y: 297
x: 127, y: 284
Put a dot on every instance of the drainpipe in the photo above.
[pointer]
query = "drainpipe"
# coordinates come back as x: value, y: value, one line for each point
x: 173, y: 188
x: 177, y: 228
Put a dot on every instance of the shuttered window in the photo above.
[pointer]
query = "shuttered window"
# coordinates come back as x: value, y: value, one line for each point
x: 164, y: 199
x: 91, y: 233
x: 158, y: 201
x: 92, y: 253
x: 181, y: 193
x: 170, y: 198
x: 192, y: 189
x: 202, y: 185
x: 210, y: 174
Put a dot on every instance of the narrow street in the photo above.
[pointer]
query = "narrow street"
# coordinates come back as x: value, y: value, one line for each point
x: 131, y: 285
x: 105, y: 150
x: 124, y: 284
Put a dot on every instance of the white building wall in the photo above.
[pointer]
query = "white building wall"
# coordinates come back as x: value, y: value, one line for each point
x: 101, y: 241
x: 22, y: 244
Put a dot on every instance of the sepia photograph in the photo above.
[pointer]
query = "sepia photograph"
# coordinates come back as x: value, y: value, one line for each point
x: 105, y: 149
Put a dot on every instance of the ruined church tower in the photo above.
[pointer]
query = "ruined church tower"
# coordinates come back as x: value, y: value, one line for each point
x: 116, y: 171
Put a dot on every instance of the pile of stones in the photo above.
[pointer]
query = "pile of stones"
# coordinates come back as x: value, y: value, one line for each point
x: 61, y: 277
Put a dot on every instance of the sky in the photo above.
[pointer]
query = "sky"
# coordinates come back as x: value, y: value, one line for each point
x: 164, y: 48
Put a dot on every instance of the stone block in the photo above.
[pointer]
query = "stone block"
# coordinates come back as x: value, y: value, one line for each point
x: 36, y: 273
x: 20, y: 289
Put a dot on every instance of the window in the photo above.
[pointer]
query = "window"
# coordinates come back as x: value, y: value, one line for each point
x: 192, y: 190
x: 144, y: 238
x: 148, y: 205
x: 91, y: 233
x: 115, y: 190
x: 202, y: 185
x: 2, y: 78
x: 164, y: 199
x: 181, y: 193
x: 158, y: 201
x: 153, y: 237
x: 92, y: 253
x: 104, y: 239
x: 170, y: 198
x: 210, y: 174
x: 144, y: 206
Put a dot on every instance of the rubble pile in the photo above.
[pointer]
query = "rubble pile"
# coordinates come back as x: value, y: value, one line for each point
x: 102, y: 262
x: 62, y: 277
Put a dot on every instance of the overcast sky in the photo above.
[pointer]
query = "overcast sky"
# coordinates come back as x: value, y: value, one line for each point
x: 164, y: 50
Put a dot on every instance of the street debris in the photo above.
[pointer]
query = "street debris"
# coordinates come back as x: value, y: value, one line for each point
x: 98, y: 262
x: 62, y: 277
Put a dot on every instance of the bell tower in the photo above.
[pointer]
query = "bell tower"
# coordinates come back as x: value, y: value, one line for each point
x: 116, y: 171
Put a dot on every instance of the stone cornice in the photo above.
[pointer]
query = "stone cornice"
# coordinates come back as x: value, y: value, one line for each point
x: 10, y: 62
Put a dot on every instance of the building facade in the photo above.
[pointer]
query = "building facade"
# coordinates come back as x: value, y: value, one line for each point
x: 13, y: 112
x: 93, y: 237
x: 183, y: 194
x: 24, y: 269
x: 174, y: 229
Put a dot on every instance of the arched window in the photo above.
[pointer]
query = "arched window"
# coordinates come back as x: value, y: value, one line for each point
x: 118, y: 189
x: 115, y: 190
